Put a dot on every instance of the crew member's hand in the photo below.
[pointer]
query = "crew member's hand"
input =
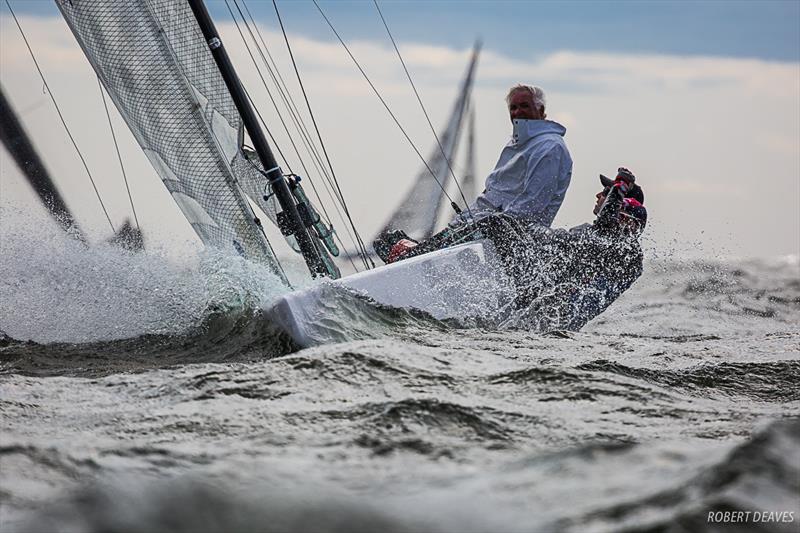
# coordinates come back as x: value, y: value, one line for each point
x: 401, y: 248
x: 625, y: 180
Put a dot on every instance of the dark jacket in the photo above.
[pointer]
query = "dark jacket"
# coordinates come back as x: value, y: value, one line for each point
x: 565, y: 278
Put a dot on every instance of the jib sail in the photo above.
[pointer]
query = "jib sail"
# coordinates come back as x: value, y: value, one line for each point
x: 155, y: 64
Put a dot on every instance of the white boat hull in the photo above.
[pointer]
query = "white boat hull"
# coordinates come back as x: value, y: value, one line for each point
x: 462, y: 282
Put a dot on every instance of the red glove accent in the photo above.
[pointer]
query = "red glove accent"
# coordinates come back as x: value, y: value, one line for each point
x: 631, y: 202
x: 400, y: 249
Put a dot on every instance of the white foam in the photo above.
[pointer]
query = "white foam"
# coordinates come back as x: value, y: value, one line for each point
x: 54, y: 289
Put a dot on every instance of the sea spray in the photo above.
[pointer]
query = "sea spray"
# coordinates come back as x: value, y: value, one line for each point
x: 55, y: 289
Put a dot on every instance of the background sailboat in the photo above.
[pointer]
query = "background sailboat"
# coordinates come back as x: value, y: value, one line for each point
x: 420, y: 210
x: 21, y: 149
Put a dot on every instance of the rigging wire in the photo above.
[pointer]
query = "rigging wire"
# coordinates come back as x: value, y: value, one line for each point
x: 365, y: 257
x: 119, y: 156
x: 236, y: 188
x: 296, y: 117
x: 299, y: 124
x: 272, y: 69
x: 286, y: 129
x: 385, y: 105
x: 283, y: 89
x: 250, y: 53
x: 258, y: 169
x: 301, y: 127
x: 424, y: 111
x: 269, y: 93
x: 332, y: 180
x: 58, y: 110
x: 289, y: 102
x: 271, y: 137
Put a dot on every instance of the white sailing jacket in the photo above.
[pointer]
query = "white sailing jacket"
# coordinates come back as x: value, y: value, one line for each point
x: 531, y: 177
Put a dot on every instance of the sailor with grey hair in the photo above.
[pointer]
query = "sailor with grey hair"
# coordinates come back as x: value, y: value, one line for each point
x: 531, y: 177
x: 539, y: 99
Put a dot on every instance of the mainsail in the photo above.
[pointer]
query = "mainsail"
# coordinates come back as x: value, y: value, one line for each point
x: 155, y: 64
x: 418, y: 213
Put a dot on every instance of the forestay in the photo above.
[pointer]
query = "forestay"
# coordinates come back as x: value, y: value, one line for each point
x: 152, y: 59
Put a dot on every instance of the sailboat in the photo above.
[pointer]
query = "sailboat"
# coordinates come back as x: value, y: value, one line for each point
x: 19, y: 146
x: 165, y: 68
x: 421, y: 208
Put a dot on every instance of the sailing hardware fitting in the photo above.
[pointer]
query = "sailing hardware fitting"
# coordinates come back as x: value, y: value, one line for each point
x: 311, y: 254
x: 308, y: 214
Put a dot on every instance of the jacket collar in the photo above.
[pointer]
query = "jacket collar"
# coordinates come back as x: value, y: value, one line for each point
x: 525, y: 129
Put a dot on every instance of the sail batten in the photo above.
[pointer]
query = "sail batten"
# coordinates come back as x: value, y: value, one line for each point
x: 155, y: 64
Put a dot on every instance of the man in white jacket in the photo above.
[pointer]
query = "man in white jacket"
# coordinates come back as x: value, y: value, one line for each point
x: 528, y: 182
x: 532, y: 175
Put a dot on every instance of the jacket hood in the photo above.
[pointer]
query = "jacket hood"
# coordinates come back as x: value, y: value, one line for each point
x: 525, y: 129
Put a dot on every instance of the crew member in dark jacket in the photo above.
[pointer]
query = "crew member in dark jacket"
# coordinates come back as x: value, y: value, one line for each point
x: 567, y: 277
x: 563, y: 278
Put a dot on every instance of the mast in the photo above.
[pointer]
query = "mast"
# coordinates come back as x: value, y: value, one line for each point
x: 468, y: 181
x: 294, y: 224
x: 21, y: 149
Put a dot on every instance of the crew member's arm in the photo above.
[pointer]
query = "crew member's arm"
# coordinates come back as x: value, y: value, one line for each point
x: 608, y: 218
x: 479, y: 209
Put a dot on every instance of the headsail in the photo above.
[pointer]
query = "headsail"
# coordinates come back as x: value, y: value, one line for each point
x: 417, y: 214
x: 155, y: 64
x: 21, y: 149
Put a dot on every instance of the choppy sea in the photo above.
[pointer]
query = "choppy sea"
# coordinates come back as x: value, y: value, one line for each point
x: 137, y: 396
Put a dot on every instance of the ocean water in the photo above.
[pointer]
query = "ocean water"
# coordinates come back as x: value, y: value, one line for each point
x: 136, y: 395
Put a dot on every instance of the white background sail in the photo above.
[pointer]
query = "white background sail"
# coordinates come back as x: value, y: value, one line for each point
x: 418, y: 212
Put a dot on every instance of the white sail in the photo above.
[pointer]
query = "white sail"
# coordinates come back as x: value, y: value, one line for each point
x: 469, y: 181
x: 153, y: 61
x: 418, y: 213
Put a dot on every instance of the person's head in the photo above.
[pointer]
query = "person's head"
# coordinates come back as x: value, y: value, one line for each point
x: 634, y: 191
x: 526, y: 102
